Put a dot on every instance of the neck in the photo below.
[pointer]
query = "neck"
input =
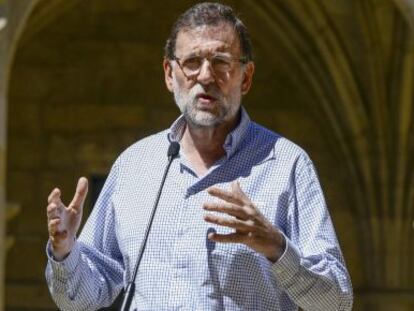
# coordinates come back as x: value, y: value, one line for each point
x: 203, y: 146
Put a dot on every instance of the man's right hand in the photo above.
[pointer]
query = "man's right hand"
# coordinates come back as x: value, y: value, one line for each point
x: 64, y: 222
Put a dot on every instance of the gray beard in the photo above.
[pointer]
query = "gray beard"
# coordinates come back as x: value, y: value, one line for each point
x: 187, y: 103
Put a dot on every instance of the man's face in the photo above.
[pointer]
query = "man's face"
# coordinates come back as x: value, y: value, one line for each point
x: 211, y: 97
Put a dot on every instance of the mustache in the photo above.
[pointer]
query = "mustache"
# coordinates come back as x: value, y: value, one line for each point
x: 212, y: 91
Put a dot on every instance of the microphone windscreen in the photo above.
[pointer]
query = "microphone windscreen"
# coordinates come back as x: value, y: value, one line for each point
x: 173, y: 149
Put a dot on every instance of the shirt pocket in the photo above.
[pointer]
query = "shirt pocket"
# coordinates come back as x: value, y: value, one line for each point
x: 233, y: 249
x: 225, y: 248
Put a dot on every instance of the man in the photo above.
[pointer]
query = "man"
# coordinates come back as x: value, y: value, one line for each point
x: 241, y: 223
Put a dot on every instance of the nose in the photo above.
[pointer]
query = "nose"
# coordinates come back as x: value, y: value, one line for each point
x: 206, y: 74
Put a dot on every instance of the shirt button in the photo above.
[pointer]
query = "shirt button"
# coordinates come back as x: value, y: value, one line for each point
x: 181, y: 263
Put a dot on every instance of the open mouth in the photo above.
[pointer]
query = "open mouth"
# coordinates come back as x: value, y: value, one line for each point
x: 206, y: 98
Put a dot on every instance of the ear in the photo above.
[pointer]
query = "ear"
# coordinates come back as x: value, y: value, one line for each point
x: 247, y: 78
x: 168, y: 74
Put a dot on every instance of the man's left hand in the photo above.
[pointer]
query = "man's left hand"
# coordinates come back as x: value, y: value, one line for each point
x: 251, y: 227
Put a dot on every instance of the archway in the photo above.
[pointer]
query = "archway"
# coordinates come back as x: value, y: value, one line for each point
x: 333, y: 76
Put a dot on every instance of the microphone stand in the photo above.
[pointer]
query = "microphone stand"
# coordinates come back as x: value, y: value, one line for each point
x: 173, y: 150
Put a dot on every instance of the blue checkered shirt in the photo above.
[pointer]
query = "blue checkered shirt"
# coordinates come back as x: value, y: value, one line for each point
x: 183, y: 270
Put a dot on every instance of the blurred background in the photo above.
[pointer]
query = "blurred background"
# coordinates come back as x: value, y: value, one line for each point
x: 80, y: 80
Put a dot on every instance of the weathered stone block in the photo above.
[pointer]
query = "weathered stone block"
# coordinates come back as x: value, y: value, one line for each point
x: 24, y: 153
x: 26, y: 248
x: 60, y: 151
x: 31, y: 82
x: 76, y: 118
x: 29, y: 296
x: 24, y: 118
x: 22, y: 186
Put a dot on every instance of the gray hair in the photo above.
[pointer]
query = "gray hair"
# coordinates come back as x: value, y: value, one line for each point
x: 208, y: 13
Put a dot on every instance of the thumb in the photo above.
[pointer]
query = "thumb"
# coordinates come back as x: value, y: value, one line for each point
x: 80, y: 194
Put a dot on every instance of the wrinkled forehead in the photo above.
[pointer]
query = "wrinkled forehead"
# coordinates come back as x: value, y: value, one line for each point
x: 207, y: 39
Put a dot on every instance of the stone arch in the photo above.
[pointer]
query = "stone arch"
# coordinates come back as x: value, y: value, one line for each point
x: 9, y: 35
x: 17, y: 16
x: 322, y: 56
x: 363, y: 94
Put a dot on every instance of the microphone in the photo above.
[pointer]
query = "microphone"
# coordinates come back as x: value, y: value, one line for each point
x: 172, y: 153
x: 173, y: 150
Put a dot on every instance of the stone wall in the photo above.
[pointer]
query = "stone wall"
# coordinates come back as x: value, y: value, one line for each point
x: 87, y: 81
x: 81, y: 91
x: 13, y: 18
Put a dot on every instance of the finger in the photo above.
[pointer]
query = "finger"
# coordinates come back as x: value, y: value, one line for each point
x: 54, y: 196
x: 53, y: 226
x: 225, y: 195
x: 227, y: 238
x: 241, y: 225
x: 80, y: 194
x: 56, y: 233
x: 251, y: 209
x: 228, y: 208
x: 58, y: 237
x: 235, y: 188
x: 54, y: 210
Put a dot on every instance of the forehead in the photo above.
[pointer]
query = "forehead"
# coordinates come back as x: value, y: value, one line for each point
x: 207, y: 39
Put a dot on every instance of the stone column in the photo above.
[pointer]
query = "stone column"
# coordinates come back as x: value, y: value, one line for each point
x: 13, y: 15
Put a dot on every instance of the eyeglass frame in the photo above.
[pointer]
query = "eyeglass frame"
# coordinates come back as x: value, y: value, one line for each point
x: 243, y: 60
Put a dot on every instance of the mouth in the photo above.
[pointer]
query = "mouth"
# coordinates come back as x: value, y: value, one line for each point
x: 206, y: 99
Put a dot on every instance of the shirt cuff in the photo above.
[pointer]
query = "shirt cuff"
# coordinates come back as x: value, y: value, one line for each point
x: 63, y: 269
x: 288, y: 264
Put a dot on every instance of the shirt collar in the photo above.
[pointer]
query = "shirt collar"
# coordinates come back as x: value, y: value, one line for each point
x: 232, y: 141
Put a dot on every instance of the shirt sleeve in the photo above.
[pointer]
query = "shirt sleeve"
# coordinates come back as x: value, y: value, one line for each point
x: 91, y: 276
x: 312, y: 269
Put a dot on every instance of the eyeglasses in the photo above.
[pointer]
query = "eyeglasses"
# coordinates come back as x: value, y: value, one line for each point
x: 219, y: 64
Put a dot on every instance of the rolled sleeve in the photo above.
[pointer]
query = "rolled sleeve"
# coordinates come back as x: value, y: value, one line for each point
x: 288, y: 264
x: 65, y: 268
